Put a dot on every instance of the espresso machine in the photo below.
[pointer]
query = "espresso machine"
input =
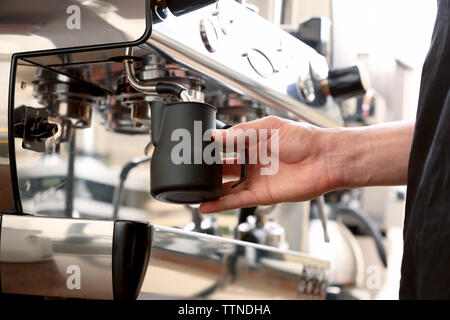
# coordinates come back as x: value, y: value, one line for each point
x: 79, y: 79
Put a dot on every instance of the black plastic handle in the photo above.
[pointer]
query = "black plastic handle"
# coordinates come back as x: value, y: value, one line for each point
x: 244, y: 167
x: 348, y: 82
x: 169, y: 88
x: 131, y: 253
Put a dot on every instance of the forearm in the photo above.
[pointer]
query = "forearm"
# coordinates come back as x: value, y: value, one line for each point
x: 369, y: 156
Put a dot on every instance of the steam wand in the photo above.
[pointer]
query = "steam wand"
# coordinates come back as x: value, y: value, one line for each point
x: 119, y: 191
x: 152, y: 86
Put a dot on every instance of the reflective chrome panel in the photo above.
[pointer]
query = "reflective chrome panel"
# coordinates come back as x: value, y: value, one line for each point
x: 56, y: 257
x: 55, y: 24
x: 186, y: 264
x: 6, y: 190
x: 27, y: 26
x: 44, y: 181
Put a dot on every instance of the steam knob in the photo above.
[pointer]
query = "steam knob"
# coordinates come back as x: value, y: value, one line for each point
x: 345, y: 83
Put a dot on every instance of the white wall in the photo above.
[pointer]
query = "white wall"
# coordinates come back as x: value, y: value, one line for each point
x: 300, y: 10
x: 389, y: 31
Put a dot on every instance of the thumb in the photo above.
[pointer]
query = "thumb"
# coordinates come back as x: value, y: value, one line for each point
x: 240, y: 130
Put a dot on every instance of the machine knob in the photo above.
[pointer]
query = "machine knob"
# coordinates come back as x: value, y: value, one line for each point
x: 345, y: 83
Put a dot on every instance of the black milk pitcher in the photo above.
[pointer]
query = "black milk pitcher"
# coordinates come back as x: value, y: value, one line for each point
x: 178, y: 129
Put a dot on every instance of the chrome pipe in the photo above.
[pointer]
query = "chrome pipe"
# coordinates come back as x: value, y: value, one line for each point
x: 148, y: 86
x: 119, y: 191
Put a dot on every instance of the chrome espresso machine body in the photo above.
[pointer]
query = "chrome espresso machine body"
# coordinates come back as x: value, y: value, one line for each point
x: 77, y: 219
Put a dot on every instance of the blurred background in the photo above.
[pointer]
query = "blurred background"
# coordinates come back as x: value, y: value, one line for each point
x: 391, y: 39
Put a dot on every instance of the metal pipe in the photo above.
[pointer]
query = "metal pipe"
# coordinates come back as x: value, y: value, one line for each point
x: 119, y: 190
x: 131, y: 76
x: 196, y: 217
x: 70, y: 179
x: 152, y: 86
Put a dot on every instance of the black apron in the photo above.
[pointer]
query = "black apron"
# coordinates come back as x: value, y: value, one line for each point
x: 426, y: 256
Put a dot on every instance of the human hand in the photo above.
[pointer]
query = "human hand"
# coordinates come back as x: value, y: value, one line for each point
x: 303, y: 172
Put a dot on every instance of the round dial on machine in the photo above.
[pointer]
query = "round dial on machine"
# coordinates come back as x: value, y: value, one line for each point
x: 260, y: 63
x: 225, y: 16
x: 209, y: 35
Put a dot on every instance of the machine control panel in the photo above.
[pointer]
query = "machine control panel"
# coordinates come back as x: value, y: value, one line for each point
x: 249, y: 53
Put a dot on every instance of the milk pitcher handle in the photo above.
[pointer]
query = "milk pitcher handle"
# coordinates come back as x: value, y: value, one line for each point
x: 221, y: 125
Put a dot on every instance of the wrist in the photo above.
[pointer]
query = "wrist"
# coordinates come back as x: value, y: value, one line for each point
x: 343, y: 153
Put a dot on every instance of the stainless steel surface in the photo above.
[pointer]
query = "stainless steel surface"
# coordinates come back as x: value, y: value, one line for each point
x: 264, y: 231
x: 56, y: 257
x: 51, y: 24
x: 6, y: 185
x: 43, y: 25
x: 100, y: 154
x: 64, y: 98
x: 232, y: 65
x: 191, y: 265
x: 202, y: 223
x: 184, y: 96
x: 276, y: 236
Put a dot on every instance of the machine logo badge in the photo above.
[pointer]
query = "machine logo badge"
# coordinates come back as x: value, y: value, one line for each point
x: 73, y: 21
x: 74, y: 280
